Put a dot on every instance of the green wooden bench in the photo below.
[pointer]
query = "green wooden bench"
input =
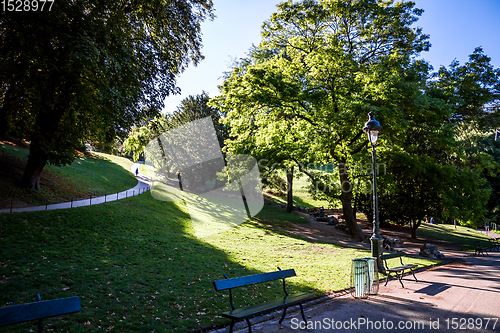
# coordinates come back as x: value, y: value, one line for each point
x: 38, y: 311
x: 399, y: 270
x: 478, y: 248
x: 494, y: 244
x: 245, y: 313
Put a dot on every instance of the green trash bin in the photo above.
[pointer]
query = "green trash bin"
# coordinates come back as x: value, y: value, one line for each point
x: 358, y: 278
x: 372, y: 275
x: 364, y: 277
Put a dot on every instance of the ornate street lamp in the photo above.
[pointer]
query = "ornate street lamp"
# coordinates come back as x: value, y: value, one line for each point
x: 372, y: 128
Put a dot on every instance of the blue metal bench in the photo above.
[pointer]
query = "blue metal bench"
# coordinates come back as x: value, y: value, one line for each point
x: 38, y: 311
x: 251, y: 311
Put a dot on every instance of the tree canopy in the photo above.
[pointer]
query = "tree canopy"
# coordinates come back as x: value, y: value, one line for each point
x: 321, y: 67
x: 89, y: 70
x: 302, y: 97
x: 191, y: 108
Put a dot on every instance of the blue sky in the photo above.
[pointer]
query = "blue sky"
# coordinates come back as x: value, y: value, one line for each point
x: 455, y: 27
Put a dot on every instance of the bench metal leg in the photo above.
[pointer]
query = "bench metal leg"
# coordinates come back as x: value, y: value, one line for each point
x: 283, y: 316
x: 249, y: 326
x: 400, y: 276
x: 413, y: 272
x: 302, y: 312
x: 231, y: 327
x: 40, y: 321
x: 387, y: 279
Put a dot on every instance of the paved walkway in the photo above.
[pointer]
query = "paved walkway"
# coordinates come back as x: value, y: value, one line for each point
x: 143, y: 185
x: 458, y: 297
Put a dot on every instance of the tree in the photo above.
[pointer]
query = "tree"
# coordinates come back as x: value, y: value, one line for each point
x: 196, y: 107
x: 467, y: 88
x: 90, y: 70
x: 437, y: 165
x: 325, y: 66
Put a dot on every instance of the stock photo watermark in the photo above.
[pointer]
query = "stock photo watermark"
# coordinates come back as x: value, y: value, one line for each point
x: 328, y: 175
x: 438, y: 324
x: 219, y: 192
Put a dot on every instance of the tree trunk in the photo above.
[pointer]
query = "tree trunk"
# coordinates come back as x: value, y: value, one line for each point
x: 346, y: 198
x: 3, y: 123
x: 289, y: 178
x: 7, y: 105
x: 36, y: 162
x: 414, y: 226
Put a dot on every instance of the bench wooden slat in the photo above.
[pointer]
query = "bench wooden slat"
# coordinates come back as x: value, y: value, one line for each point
x: 252, y: 279
x: 255, y: 310
x: 38, y: 310
x: 392, y: 255
x: 402, y: 268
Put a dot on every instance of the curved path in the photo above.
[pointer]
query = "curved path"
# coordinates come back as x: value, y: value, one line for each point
x: 143, y: 185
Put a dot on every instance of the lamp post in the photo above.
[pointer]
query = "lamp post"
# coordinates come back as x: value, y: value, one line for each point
x: 372, y: 128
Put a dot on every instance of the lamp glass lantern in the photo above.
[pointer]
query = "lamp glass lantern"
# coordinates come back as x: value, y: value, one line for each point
x: 372, y: 128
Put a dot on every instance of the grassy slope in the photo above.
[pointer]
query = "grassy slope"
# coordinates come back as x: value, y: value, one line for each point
x: 460, y: 235
x: 137, y: 267
x: 88, y: 175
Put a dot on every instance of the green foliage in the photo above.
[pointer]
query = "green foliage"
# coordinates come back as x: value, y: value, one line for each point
x: 136, y: 141
x: 467, y: 88
x: 191, y: 108
x: 303, y: 95
x: 196, y: 107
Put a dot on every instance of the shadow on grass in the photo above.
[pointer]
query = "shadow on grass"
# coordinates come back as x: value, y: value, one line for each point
x: 134, y: 263
x: 86, y: 176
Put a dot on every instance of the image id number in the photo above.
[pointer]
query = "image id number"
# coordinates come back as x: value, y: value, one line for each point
x: 26, y: 5
x: 470, y: 323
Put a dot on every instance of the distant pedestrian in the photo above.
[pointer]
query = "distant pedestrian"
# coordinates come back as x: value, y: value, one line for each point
x: 136, y: 172
x: 487, y: 226
x: 432, y: 220
x: 426, y: 219
x: 180, y: 179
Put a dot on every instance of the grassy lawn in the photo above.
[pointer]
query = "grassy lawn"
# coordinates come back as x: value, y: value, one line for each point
x: 137, y: 266
x: 94, y: 175
x: 458, y: 235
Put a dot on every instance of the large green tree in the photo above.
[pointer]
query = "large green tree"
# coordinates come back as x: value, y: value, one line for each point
x: 440, y: 164
x: 467, y: 88
x: 190, y: 109
x: 326, y: 64
x: 88, y: 70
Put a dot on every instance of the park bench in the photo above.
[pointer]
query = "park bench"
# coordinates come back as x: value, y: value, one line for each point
x: 478, y: 249
x: 38, y: 311
x: 245, y: 313
x: 494, y: 244
x: 399, y: 270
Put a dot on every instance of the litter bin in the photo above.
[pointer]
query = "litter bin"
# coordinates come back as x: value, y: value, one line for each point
x: 372, y: 275
x: 364, y: 277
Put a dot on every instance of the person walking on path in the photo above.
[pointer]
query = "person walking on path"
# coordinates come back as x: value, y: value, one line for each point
x: 180, y: 179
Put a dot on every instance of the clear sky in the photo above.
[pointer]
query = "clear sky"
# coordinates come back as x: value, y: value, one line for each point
x: 456, y: 28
